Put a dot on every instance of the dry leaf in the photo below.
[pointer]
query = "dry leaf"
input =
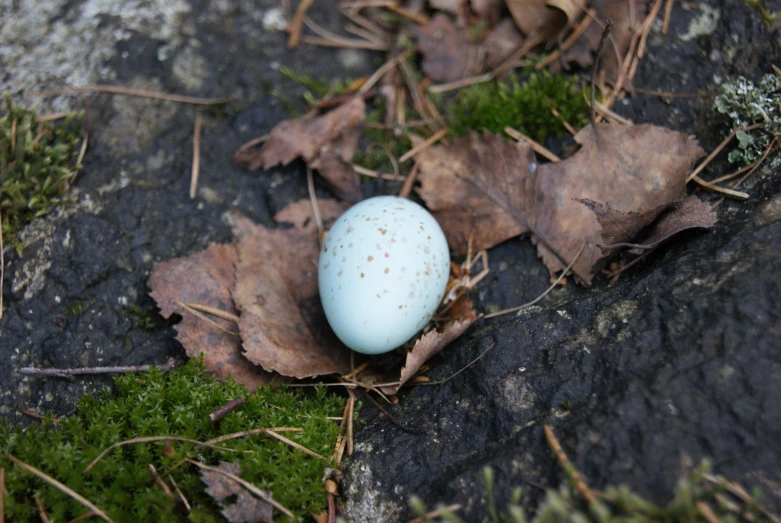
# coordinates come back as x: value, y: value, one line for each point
x: 501, y: 43
x: 447, y: 55
x: 282, y: 324
x: 634, y: 168
x: 689, y: 214
x: 238, y: 504
x: 489, y: 10
x: 542, y: 20
x: 616, y: 46
x: 476, y: 186
x: 487, y: 186
x: 619, y: 227
x: 455, y: 7
x: 206, y: 278
x: 326, y: 142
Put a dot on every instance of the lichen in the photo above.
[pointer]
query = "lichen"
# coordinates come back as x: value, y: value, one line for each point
x: 747, y: 104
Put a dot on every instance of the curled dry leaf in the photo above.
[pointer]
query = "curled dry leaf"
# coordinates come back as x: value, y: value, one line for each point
x: 447, y: 54
x: 282, y: 324
x: 206, y: 278
x: 688, y: 214
x: 238, y: 504
x: 484, y: 185
x: 542, y: 20
x: 326, y: 142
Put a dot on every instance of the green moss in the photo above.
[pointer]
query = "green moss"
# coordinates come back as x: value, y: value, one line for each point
x: 747, y: 104
x: 37, y: 163
x: 75, y: 309
x: 523, y: 104
x: 176, y: 404
x: 147, y: 319
x: 377, y: 143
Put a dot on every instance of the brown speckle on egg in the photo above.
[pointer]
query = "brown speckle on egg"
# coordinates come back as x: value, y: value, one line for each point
x: 387, y: 270
x: 370, y: 258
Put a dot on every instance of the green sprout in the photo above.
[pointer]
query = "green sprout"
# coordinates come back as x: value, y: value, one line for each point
x: 747, y: 104
x: 37, y: 164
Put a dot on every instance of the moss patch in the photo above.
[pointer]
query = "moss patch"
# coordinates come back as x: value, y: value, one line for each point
x: 524, y: 104
x: 37, y: 164
x: 175, y: 404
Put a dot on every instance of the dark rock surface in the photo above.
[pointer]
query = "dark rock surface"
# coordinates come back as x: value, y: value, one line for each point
x: 680, y: 357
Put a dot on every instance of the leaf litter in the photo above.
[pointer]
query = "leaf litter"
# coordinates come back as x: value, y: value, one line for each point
x: 616, y: 192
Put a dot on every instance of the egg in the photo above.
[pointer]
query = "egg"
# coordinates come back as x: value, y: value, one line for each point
x: 382, y: 273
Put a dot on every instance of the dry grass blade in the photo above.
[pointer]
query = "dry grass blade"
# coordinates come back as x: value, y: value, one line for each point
x: 541, y: 296
x: 41, y: 118
x: 568, y: 468
x: 708, y: 159
x: 538, y: 148
x: 196, y: 155
x: 431, y: 140
x: 759, y: 162
x: 350, y: 415
x: 723, y: 190
x: 250, y: 432
x: 247, y: 485
x: 310, y: 185
x: 458, y: 84
x: 159, y: 481
x: 180, y: 494
x: 142, y: 93
x: 576, y: 33
x: 148, y: 439
x: 59, y: 486
x: 296, y: 24
x: 329, y: 39
x: 41, y: 510
x: 668, y: 9
x: 295, y: 445
x: 363, y: 171
x: 409, y: 183
x: 194, y: 309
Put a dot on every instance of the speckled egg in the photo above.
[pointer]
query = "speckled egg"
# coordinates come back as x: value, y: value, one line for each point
x: 382, y: 273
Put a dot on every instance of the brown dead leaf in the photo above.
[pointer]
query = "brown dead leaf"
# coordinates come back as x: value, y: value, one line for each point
x: 447, y: 54
x: 635, y: 168
x: 542, y: 20
x: 487, y: 186
x: 455, y: 7
x: 238, y: 504
x: 326, y: 142
x: 476, y: 185
x: 282, y: 324
x: 489, y: 10
x: 501, y: 43
x: 690, y: 213
x: 206, y: 278
x: 619, y: 227
x: 616, y: 46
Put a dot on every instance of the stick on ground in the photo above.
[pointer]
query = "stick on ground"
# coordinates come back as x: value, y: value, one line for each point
x: 196, y: 156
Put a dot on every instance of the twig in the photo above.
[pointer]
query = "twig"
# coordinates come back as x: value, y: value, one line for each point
x: 668, y: 9
x: 611, y: 115
x: 78, y: 371
x: 374, y: 174
x: 570, y: 40
x: 196, y: 155
x: 541, y: 296
x: 431, y: 140
x: 540, y: 149
x: 441, y: 382
x: 225, y: 409
x: 436, y: 513
x: 296, y: 24
x: 59, y: 486
x: 295, y: 445
x: 34, y: 415
x: 737, y: 173
x: 148, y: 439
x: 329, y: 39
x: 719, y: 148
x: 568, y: 467
x: 605, y: 33
x: 159, y: 481
x: 249, y: 486
x: 143, y: 93
x: 380, y: 72
x: 331, y: 508
x: 180, y: 494
x: 310, y: 185
x: 571, y: 130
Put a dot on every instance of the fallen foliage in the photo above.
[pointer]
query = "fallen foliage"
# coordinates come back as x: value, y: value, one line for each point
x: 238, y: 504
x: 447, y: 54
x: 484, y: 186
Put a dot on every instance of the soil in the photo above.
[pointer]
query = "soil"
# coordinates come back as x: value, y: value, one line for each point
x: 676, y: 362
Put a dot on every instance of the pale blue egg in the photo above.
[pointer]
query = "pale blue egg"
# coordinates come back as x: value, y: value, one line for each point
x: 382, y: 273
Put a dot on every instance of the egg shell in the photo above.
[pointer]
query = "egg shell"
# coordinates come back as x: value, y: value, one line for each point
x: 382, y: 272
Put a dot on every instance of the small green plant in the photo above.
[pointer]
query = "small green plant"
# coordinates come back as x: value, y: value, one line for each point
x: 747, y: 104
x: 525, y: 105
x: 177, y: 403
x: 37, y: 164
